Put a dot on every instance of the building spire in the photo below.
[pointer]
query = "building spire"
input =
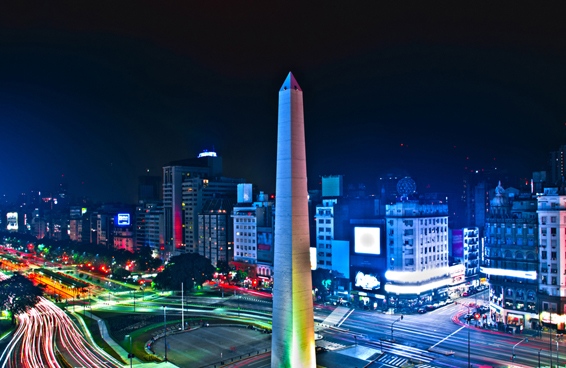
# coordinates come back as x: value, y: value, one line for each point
x: 290, y: 83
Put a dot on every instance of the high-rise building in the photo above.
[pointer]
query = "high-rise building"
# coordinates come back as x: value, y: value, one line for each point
x: 253, y: 237
x: 511, y: 260
x: 292, y: 343
x: 187, y: 185
x: 149, y: 227
x: 215, y: 230
x: 552, y: 257
x: 417, y: 250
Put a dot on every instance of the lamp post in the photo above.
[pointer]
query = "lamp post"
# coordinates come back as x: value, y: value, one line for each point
x: 513, y: 354
x: 468, y: 317
x: 134, y: 294
x: 550, y: 337
x: 397, y: 320
x: 165, y: 329
x: 469, y: 360
x: 558, y: 338
x: 131, y: 353
x: 539, y: 350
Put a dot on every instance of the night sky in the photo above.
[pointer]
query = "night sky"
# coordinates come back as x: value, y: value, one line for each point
x: 95, y: 94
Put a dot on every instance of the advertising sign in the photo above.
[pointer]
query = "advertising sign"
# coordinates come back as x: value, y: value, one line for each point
x: 367, y: 240
x: 457, y: 243
x: 122, y: 219
x: 364, y: 279
x: 12, y: 221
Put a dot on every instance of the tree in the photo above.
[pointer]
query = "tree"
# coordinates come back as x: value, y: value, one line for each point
x: 223, y: 268
x: 120, y: 274
x: 240, y: 276
x: 145, y: 260
x: 18, y: 294
x: 191, y: 269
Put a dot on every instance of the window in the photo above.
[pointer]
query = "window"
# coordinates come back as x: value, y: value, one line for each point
x: 552, y: 219
x: 553, y: 231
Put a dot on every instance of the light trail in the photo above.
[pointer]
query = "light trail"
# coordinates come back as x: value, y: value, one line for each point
x: 46, y: 330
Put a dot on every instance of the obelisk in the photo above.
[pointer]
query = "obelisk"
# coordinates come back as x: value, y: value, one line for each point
x: 292, y: 342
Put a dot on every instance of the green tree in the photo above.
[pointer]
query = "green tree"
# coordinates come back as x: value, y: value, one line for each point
x: 18, y: 294
x: 240, y: 276
x: 120, y: 274
x: 145, y: 260
x: 191, y: 269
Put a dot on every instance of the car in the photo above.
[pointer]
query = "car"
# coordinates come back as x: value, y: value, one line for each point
x: 465, y: 293
x: 483, y: 309
x: 430, y: 307
x: 421, y: 310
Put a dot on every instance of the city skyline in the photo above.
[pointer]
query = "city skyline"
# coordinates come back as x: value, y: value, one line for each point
x: 102, y: 95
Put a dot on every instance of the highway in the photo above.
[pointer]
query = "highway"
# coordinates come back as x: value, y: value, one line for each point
x: 45, y: 330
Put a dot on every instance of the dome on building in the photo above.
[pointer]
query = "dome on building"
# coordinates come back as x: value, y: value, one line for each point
x: 406, y: 187
x: 500, y: 198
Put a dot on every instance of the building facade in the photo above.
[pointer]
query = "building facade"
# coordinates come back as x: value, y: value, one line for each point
x: 511, y: 260
x: 417, y: 253
x: 215, y: 230
x: 551, y: 211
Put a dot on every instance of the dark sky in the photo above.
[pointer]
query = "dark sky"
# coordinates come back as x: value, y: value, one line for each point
x: 96, y: 93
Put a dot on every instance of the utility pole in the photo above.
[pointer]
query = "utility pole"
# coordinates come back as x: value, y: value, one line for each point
x: 182, y: 307
x: 131, y: 353
x: 165, y: 328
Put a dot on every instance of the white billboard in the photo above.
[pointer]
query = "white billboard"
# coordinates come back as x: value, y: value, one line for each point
x: 367, y: 240
x: 313, y: 258
x: 12, y: 221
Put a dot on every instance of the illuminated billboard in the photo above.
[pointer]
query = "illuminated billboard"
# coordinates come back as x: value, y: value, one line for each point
x: 122, y: 219
x: 313, y: 258
x: 367, y: 240
x: 365, y: 279
x: 12, y: 221
x: 457, y: 243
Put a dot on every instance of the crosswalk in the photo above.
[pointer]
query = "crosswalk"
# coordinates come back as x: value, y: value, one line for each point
x: 391, y: 360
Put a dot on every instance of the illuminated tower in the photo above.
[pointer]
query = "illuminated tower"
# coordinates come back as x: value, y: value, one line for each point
x: 293, y: 321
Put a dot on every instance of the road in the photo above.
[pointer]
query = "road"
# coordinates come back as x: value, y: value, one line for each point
x: 45, y: 330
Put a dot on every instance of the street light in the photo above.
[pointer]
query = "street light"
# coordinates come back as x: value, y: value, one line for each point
x: 397, y: 320
x: 513, y: 355
x: 539, y: 357
x: 469, y: 316
x: 131, y: 353
x: 558, y: 338
x: 165, y: 328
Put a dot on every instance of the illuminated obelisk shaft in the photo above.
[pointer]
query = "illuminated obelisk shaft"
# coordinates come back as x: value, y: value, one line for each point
x: 293, y: 323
